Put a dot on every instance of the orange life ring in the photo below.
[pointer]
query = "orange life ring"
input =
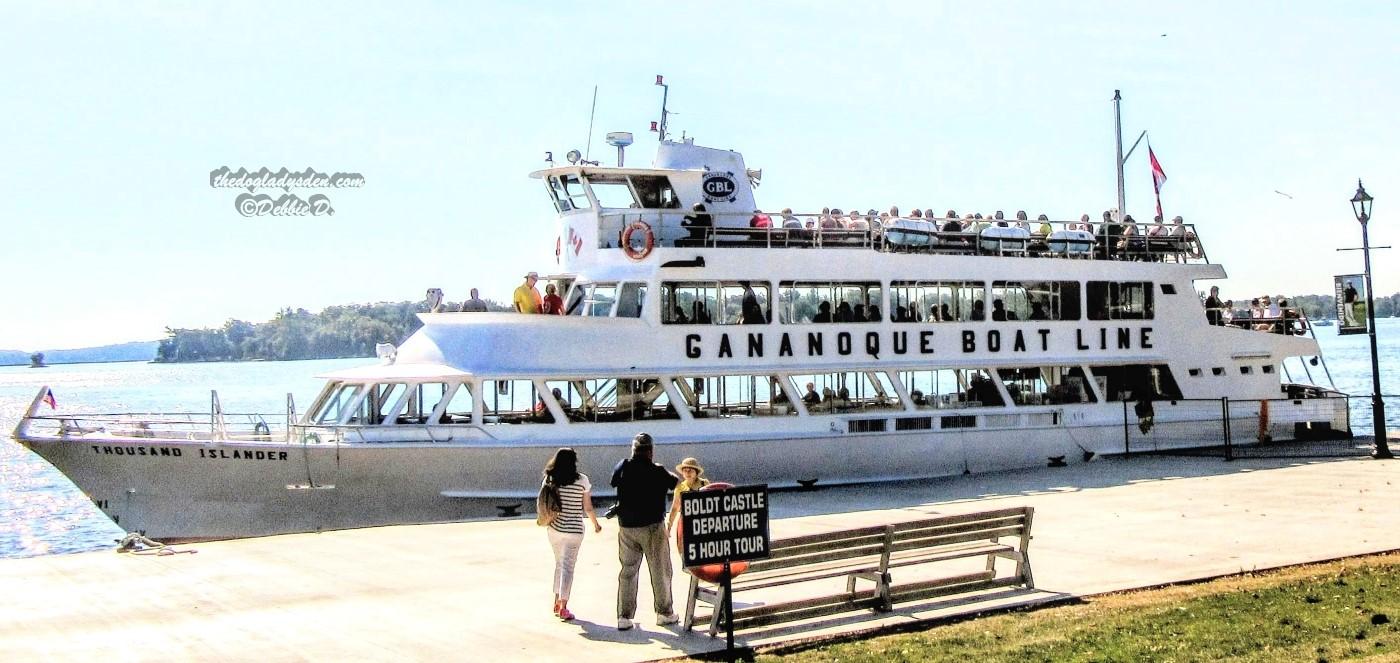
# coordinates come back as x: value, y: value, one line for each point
x: 711, y: 572
x: 648, y: 240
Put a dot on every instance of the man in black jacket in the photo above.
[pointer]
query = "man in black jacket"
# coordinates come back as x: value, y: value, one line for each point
x: 641, y: 486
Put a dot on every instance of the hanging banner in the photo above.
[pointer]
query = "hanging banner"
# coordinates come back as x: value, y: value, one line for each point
x: 1351, y: 303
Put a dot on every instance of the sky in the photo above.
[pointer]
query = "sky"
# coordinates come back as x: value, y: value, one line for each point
x: 1263, y: 115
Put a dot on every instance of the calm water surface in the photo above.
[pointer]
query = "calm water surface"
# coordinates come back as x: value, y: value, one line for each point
x: 42, y: 513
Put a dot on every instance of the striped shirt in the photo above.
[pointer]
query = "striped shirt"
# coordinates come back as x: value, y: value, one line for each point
x: 570, y: 520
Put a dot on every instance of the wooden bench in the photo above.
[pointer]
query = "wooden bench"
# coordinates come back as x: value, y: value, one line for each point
x: 806, y: 566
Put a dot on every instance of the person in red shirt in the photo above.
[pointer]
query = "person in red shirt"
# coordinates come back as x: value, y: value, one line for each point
x: 552, y: 304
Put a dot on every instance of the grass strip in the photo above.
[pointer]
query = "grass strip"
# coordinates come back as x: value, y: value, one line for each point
x: 1337, y: 611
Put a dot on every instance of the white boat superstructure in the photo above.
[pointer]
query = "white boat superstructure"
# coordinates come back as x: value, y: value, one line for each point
x: 779, y: 348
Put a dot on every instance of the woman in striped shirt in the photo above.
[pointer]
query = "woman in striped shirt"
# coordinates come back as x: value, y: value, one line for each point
x: 570, y: 497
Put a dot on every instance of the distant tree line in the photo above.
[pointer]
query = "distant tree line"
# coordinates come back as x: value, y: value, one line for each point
x: 1324, y: 307
x: 339, y: 331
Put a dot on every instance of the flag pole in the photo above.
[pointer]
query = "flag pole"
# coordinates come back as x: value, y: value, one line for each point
x: 1118, y: 134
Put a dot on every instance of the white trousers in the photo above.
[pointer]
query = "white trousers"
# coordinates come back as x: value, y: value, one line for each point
x: 565, y: 556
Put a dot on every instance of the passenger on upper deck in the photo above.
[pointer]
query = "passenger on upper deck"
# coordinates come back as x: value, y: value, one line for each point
x: 823, y: 312
x: 699, y: 223
x: 951, y: 225
x: 857, y: 222
x: 552, y: 304
x: 1158, y: 228
x: 527, y: 299
x: 790, y: 221
x: 1044, y: 229
x: 760, y: 220
x: 1214, y: 306
x: 475, y: 304
x: 1178, y: 227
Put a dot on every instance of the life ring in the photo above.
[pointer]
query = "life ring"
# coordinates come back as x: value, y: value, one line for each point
x: 1193, y: 248
x: 648, y: 240
x: 713, y: 573
x: 261, y: 432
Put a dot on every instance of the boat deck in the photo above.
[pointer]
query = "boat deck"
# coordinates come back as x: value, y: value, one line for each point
x: 441, y: 591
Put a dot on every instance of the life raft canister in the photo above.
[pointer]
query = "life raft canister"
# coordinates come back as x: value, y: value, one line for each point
x: 710, y: 572
x: 638, y: 248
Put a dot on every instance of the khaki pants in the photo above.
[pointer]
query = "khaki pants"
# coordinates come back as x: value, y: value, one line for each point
x: 634, y: 543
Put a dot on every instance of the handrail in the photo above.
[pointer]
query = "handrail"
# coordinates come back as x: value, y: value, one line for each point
x: 1148, y: 242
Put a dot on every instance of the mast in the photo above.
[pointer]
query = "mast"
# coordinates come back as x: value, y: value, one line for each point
x: 1118, y: 133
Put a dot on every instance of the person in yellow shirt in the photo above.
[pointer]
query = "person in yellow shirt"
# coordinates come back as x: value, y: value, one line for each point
x: 692, y: 478
x: 527, y: 298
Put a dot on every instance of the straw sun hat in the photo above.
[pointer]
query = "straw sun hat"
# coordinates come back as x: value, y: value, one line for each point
x: 692, y: 464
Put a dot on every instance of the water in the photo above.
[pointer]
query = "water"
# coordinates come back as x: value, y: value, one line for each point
x: 42, y: 513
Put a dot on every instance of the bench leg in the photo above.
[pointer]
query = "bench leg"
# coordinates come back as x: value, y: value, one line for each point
x: 690, y: 603
x: 717, y: 611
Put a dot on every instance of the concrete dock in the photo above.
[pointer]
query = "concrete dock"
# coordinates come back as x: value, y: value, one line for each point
x: 481, y: 591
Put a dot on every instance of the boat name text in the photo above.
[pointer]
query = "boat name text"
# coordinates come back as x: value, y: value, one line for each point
x: 873, y: 344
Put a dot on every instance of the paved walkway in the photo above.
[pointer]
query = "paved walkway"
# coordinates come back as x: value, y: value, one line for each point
x: 480, y: 591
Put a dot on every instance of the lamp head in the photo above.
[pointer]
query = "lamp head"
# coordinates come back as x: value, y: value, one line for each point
x: 1361, y: 203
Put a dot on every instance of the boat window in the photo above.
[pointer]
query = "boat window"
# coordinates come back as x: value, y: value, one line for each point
x: 422, y: 399
x: 1037, y: 300
x: 630, y: 300
x: 573, y: 191
x: 655, y: 192
x: 1119, y: 300
x: 612, y: 192
x: 577, y: 295
x: 1043, y: 385
x: 335, y: 405
x: 459, y: 409
x: 599, y: 303
x: 711, y: 397
x: 513, y: 402
x: 557, y: 195
x: 847, y: 391
x: 1131, y: 382
x: 612, y: 399
x: 720, y: 303
x: 950, y: 388
x: 937, y: 301
x: 384, y: 397
x: 802, y: 302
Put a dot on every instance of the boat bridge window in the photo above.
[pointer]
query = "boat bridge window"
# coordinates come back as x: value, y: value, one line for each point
x: 513, y: 402
x: 721, y: 396
x: 801, y: 302
x: 568, y: 193
x: 1119, y: 300
x: 1037, y: 300
x: 612, y: 191
x: 630, y: 300
x: 599, y: 302
x: 459, y: 406
x: 847, y: 391
x: 1046, y: 385
x: 612, y: 399
x: 378, y: 404
x: 937, y: 301
x: 335, y: 405
x: 1131, y: 382
x: 950, y: 388
x: 715, y: 302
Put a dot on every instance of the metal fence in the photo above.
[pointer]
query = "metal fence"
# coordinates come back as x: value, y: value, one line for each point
x: 1252, y: 428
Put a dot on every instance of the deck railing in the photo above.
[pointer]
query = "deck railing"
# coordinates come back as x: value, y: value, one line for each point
x: 673, y: 228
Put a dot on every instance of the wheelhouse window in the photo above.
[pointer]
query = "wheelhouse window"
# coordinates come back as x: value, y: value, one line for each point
x: 1119, y: 300
x: 1043, y: 385
x: 655, y: 192
x: 577, y: 294
x: 612, y: 191
x: 802, y: 302
x: 950, y: 388
x: 458, y: 409
x: 715, y: 302
x: 937, y: 301
x: 600, y: 299
x: 724, y: 396
x: 1036, y: 300
x: 568, y: 193
x: 847, y: 391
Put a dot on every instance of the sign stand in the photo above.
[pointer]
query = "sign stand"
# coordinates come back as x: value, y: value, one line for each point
x: 728, y: 615
x: 721, y: 525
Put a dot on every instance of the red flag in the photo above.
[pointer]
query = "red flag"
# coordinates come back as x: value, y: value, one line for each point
x: 1159, y: 177
x: 48, y: 398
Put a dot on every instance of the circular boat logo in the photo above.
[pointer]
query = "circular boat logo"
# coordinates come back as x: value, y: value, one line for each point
x: 719, y: 186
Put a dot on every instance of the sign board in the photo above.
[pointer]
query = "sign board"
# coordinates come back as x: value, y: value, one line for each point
x: 722, y: 525
x: 1351, y: 303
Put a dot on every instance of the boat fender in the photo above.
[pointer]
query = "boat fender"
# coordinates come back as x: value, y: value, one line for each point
x: 638, y: 248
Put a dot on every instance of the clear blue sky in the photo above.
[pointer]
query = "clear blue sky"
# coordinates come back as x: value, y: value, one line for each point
x: 114, y: 114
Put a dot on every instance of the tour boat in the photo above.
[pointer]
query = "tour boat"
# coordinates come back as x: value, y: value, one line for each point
x: 783, y: 349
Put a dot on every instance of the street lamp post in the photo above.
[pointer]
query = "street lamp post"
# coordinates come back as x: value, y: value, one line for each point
x: 1361, y: 206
